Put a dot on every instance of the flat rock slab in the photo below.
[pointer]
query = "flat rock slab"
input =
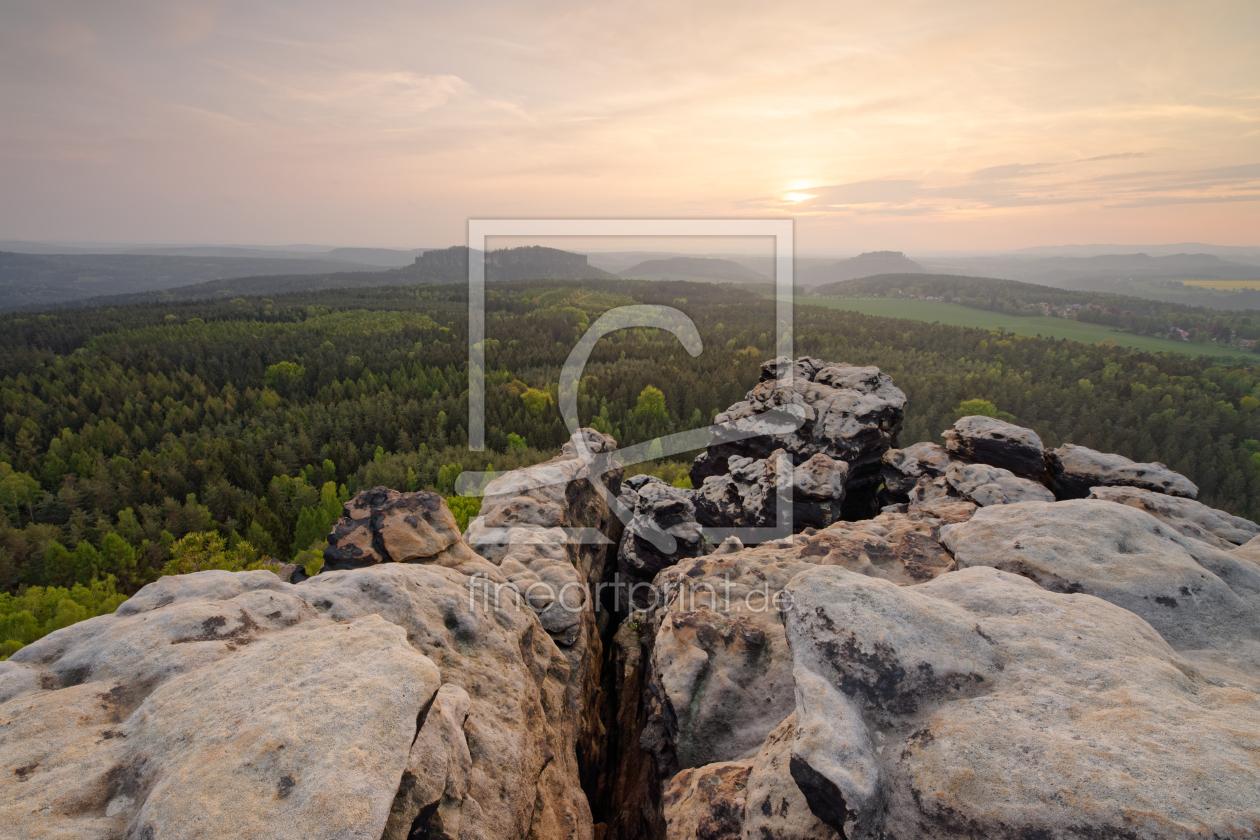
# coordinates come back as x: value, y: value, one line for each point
x: 1072, y: 471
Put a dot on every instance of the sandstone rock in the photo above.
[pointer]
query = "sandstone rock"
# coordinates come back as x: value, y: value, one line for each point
x: 748, y: 496
x: 1072, y: 471
x: 987, y: 485
x: 750, y: 799
x: 721, y: 672
x: 980, y: 705
x: 998, y: 444
x: 212, y: 716
x: 903, y: 468
x: 902, y: 548
x: 708, y: 801
x: 1186, y: 516
x: 1195, y: 596
x: 934, y: 491
x: 383, y: 526
x: 849, y: 414
x: 282, y: 710
x: 664, y: 529
x: 1249, y: 550
x: 720, y: 669
x: 439, y: 771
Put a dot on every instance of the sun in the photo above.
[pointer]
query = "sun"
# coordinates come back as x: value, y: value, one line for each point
x: 798, y: 196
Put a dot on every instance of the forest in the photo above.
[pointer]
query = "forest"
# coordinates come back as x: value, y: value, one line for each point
x: 132, y: 435
x: 1136, y: 315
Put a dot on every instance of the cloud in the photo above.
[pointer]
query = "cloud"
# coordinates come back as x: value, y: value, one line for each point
x: 1009, y: 170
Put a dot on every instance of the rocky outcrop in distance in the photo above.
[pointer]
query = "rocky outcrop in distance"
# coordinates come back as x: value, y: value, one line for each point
x: 949, y: 643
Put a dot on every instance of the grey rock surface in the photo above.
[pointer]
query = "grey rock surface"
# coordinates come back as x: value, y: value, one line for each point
x: 997, y: 443
x: 902, y: 469
x: 385, y: 526
x: 981, y: 705
x: 1072, y: 471
x: 1194, y: 595
x: 239, y: 702
x: 849, y: 414
x: 721, y: 675
x: 1185, y: 516
x: 987, y: 485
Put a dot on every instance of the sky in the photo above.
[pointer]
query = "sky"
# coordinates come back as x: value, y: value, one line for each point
x: 904, y: 125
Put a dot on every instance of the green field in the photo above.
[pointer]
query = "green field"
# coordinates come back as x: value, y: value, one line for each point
x: 963, y: 316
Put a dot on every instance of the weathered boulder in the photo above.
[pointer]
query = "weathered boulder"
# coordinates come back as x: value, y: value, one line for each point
x: 1072, y: 471
x: 1194, y: 595
x: 849, y: 414
x: 997, y: 443
x: 987, y: 485
x: 523, y: 725
x: 228, y: 707
x: 1185, y: 516
x: 721, y: 677
x: 385, y: 526
x: 981, y: 705
x: 902, y: 469
x: 664, y: 530
x: 720, y: 664
x: 238, y: 705
x: 929, y: 474
x: 901, y: 547
x: 748, y: 496
x: 1249, y: 550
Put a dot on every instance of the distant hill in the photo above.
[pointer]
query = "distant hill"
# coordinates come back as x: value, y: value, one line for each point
x: 446, y: 265
x: 388, y: 257
x: 863, y: 265
x: 688, y: 268
x: 533, y: 262
x: 45, y: 279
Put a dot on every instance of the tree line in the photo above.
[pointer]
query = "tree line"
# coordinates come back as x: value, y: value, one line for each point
x: 124, y: 431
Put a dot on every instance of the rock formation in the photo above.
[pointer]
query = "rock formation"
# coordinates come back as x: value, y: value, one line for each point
x: 991, y: 656
x: 848, y: 414
x: 1072, y: 471
x: 997, y: 443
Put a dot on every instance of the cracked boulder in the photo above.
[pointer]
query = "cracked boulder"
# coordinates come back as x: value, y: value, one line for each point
x: 721, y: 677
x: 747, y: 497
x: 987, y: 440
x: 1072, y: 471
x: 987, y: 485
x: 903, y: 469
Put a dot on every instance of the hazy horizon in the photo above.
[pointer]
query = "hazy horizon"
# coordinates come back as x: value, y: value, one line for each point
x: 978, y: 126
